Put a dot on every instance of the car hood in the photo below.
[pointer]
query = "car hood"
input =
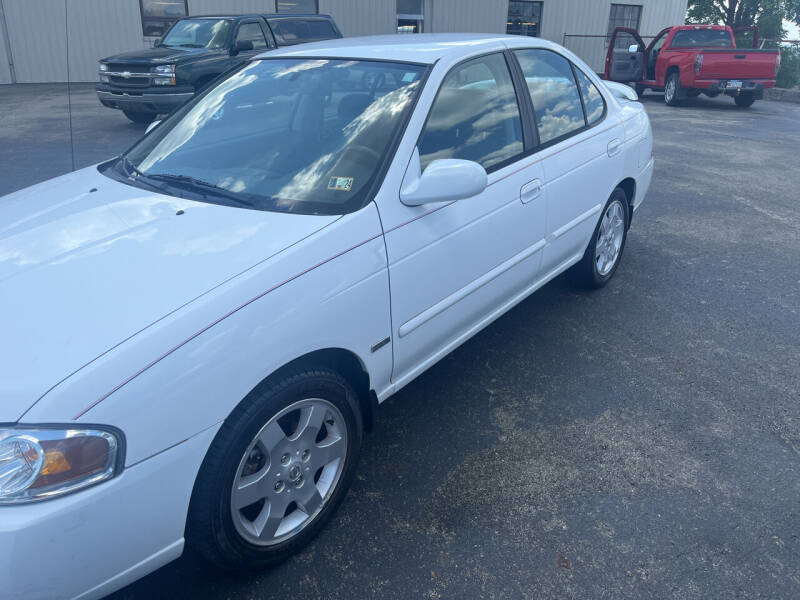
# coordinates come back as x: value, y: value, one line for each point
x: 83, y: 270
x: 160, y: 54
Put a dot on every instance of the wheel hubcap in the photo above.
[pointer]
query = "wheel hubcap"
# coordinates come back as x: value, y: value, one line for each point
x: 609, y: 238
x: 289, y: 471
x: 670, y: 89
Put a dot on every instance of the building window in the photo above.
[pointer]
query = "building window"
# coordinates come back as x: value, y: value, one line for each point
x: 410, y: 16
x: 298, y: 6
x: 623, y: 15
x: 159, y: 15
x: 524, y: 18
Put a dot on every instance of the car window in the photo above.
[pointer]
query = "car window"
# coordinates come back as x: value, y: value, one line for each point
x: 475, y: 115
x: 251, y: 32
x: 289, y: 135
x: 702, y: 38
x: 554, y: 93
x: 592, y: 99
x: 198, y: 33
x: 660, y: 42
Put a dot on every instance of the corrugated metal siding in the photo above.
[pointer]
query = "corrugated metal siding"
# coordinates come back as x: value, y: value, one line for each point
x: 99, y: 28
x: 451, y: 16
x: 235, y: 7
x: 39, y: 44
x: 362, y: 17
x: 5, y: 71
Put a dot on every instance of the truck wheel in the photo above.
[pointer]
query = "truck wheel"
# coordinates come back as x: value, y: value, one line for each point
x: 744, y: 100
x: 140, y: 116
x: 672, y: 89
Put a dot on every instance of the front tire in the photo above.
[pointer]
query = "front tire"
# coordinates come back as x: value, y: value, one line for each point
x: 276, y: 471
x: 672, y: 89
x: 143, y: 117
x: 604, y: 252
x: 744, y: 100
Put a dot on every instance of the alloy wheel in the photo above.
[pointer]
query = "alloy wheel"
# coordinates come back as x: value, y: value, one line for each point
x: 609, y: 238
x: 289, y: 472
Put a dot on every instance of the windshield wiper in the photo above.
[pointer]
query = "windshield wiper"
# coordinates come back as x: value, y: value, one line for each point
x: 189, y: 182
x: 191, y: 46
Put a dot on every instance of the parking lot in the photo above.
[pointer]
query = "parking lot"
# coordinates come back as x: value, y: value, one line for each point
x: 642, y: 441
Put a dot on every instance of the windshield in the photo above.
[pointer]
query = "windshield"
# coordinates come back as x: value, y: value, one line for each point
x: 198, y: 33
x: 291, y: 135
x: 702, y: 38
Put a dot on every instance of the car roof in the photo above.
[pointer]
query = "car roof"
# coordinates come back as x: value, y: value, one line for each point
x: 262, y: 15
x: 426, y: 48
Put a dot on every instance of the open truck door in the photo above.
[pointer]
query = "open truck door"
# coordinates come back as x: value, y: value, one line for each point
x: 625, y: 56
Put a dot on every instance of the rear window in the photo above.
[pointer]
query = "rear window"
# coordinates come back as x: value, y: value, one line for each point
x: 702, y: 38
x: 295, y: 31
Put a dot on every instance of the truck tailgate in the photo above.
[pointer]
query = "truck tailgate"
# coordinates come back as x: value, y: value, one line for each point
x: 737, y: 64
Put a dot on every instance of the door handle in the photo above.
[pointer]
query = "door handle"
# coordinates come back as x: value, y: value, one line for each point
x: 613, y: 147
x: 530, y: 191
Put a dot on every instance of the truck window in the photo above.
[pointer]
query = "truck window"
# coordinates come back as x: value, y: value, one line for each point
x: 295, y: 31
x: 198, y: 33
x: 702, y: 38
x: 251, y: 32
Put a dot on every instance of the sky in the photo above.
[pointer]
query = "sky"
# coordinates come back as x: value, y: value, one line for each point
x: 792, y: 30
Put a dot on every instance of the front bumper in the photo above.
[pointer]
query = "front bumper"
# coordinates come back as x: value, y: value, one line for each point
x: 88, y: 544
x: 152, y: 99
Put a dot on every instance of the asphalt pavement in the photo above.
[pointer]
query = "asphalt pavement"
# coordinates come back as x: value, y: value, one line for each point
x: 641, y: 441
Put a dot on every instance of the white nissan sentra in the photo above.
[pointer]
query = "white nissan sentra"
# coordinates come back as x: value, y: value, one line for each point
x: 196, y: 333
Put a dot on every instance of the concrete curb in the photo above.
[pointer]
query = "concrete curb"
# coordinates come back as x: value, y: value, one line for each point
x: 783, y: 95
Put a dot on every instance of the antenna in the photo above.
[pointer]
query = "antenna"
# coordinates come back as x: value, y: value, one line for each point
x: 69, y: 87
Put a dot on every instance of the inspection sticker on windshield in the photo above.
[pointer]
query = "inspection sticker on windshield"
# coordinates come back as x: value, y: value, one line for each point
x: 341, y: 184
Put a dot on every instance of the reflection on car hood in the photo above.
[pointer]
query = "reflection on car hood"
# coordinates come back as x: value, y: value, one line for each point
x: 81, y: 271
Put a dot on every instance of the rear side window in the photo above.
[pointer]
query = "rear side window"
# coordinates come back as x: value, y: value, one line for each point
x: 592, y: 99
x: 475, y: 115
x: 296, y: 31
x: 554, y: 92
x: 702, y: 38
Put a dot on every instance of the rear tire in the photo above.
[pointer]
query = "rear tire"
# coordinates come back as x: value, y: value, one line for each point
x: 744, y: 100
x: 604, y: 252
x: 143, y: 117
x: 276, y: 471
x: 672, y: 89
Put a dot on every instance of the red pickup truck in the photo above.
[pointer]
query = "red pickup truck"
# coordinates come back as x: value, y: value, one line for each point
x: 687, y: 60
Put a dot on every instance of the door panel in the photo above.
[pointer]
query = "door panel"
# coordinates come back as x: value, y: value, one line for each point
x: 621, y: 64
x: 452, y: 264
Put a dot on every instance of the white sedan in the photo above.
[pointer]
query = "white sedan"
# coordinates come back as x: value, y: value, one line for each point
x: 196, y: 334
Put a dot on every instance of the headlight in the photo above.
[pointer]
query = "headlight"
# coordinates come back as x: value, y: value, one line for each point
x: 103, y: 78
x: 103, y: 67
x: 37, y: 463
x: 163, y: 70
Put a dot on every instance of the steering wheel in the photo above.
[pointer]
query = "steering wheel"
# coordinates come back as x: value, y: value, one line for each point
x: 364, y: 152
x: 373, y: 81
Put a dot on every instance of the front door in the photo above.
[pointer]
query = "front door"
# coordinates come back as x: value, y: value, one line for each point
x: 250, y: 31
x: 453, y: 266
x: 621, y: 64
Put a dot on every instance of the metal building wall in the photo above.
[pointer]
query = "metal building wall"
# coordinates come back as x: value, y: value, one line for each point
x: 362, y: 17
x: 5, y: 59
x: 97, y: 28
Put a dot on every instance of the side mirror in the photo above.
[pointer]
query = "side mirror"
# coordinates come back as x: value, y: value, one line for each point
x: 152, y: 126
x: 156, y: 42
x: 242, y: 46
x: 633, y: 49
x: 443, y: 180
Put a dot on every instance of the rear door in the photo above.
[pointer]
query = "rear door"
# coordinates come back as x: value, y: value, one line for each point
x: 621, y: 64
x: 581, y: 152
